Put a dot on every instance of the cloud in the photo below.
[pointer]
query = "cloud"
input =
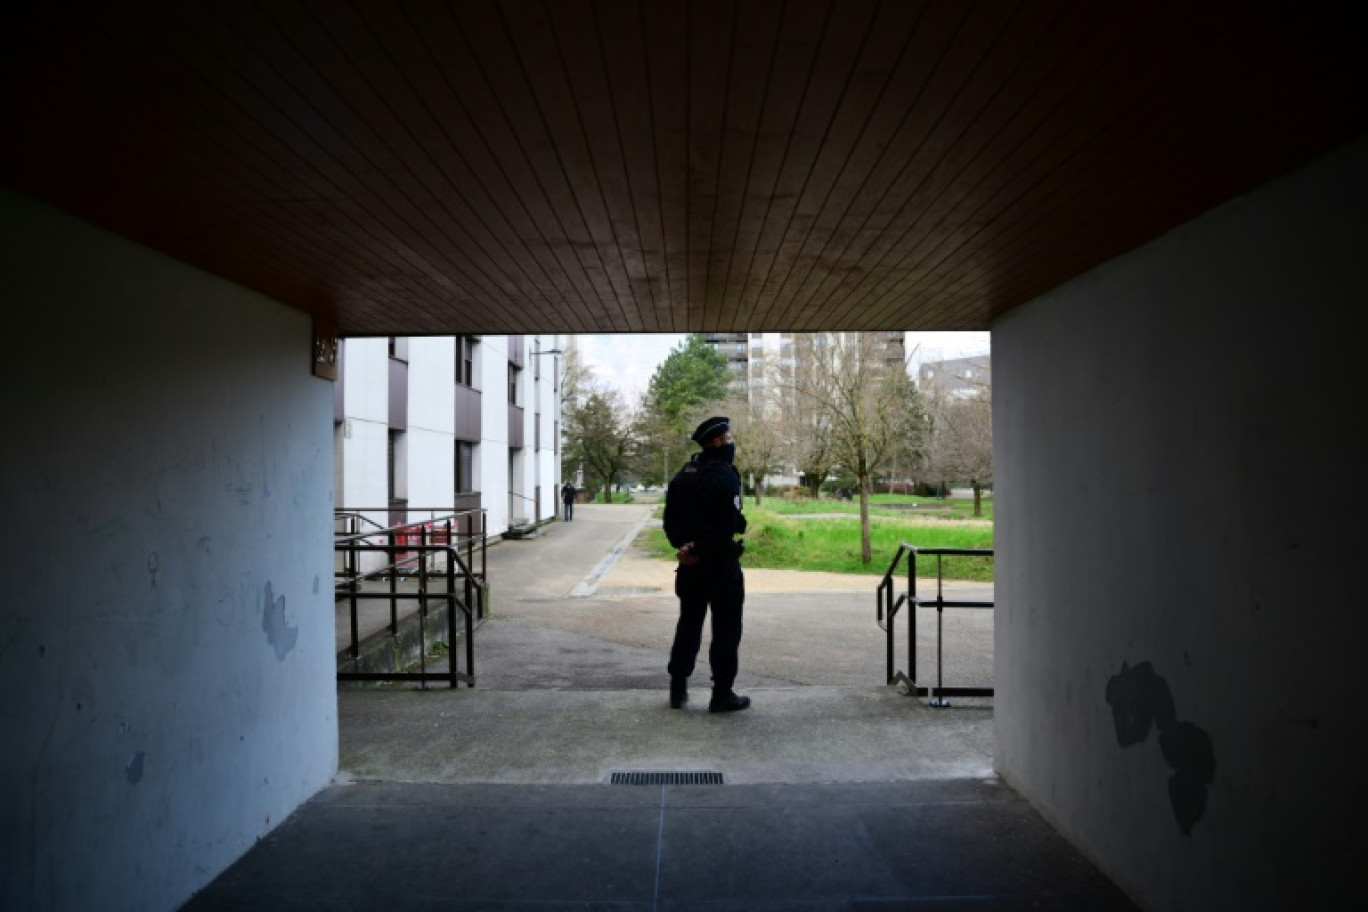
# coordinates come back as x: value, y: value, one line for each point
x: 626, y: 362
x: 944, y: 346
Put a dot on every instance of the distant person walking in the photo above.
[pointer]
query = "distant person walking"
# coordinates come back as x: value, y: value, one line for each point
x: 568, y: 495
x: 702, y: 514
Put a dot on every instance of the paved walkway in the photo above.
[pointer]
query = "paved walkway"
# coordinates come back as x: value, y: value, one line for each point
x: 836, y: 791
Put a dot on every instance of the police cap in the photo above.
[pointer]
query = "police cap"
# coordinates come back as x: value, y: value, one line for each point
x: 710, y: 428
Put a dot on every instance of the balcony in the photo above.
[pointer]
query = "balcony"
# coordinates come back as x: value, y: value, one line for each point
x: 468, y: 414
x: 515, y: 427
x: 398, y: 395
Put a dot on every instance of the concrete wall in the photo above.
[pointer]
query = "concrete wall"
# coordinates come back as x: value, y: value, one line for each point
x: 491, y: 472
x: 166, y: 631
x: 432, y: 423
x: 1180, y: 510
x: 365, y: 430
x: 363, y: 478
x: 543, y: 402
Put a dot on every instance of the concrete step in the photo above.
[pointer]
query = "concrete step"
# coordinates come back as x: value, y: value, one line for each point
x: 789, y: 734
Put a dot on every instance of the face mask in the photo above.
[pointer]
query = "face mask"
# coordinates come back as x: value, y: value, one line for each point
x: 728, y: 452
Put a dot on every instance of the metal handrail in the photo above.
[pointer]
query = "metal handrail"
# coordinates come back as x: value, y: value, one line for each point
x: 437, y: 536
x: 886, y: 609
x: 531, y: 500
x: 459, y: 519
x: 453, y: 675
x: 356, y: 515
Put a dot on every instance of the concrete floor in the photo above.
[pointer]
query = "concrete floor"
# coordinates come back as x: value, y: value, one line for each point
x: 838, y: 792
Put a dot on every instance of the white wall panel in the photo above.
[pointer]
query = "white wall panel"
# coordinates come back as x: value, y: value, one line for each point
x: 167, y: 632
x: 492, y: 458
x: 432, y: 384
x: 1180, y: 620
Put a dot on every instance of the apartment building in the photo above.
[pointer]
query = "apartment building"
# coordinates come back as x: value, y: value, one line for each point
x: 432, y: 425
x: 733, y: 347
x: 957, y: 378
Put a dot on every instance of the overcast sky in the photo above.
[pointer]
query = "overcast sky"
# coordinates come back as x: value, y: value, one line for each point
x: 626, y: 362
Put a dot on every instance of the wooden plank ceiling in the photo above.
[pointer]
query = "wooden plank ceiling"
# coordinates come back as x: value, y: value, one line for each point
x: 416, y: 167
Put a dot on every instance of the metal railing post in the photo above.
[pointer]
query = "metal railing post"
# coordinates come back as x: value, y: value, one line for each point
x: 352, y: 568
x: 469, y: 566
x: 422, y: 605
x: 393, y: 555
x: 450, y: 542
x: 451, y: 612
x: 886, y: 605
x: 913, y: 603
x: 936, y: 699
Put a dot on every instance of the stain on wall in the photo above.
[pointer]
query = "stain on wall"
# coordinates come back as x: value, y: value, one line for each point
x: 1140, y: 700
x: 279, y: 633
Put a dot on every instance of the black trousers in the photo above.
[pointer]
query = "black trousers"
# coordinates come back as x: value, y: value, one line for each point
x: 722, y: 588
x: 569, y: 510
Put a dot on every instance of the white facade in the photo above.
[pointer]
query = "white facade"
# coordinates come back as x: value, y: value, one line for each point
x: 363, y: 430
x: 508, y: 478
x: 542, y: 413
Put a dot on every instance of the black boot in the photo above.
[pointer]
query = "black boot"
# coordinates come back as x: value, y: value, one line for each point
x: 727, y: 701
x: 679, y: 692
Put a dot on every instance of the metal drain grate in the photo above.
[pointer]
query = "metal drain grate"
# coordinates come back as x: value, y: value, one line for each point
x: 666, y: 779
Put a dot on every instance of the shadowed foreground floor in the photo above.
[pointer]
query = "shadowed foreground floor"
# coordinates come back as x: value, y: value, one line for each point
x: 837, y: 792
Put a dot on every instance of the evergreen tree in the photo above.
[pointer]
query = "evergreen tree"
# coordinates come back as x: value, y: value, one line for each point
x: 688, y: 385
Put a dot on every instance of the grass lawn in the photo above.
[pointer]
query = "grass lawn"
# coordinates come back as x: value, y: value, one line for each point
x: 620, y: 497
x: 805, y: 536
x: 903, y: 505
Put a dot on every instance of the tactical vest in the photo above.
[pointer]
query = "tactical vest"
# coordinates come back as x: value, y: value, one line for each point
x: 683, y: 516
x: 694, y: 511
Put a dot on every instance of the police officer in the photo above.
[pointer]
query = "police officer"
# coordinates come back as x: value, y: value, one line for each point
x: 702, y: 516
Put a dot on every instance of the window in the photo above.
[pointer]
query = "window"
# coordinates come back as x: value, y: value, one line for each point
x: 398, y: 480
x: 465, y: 467
x: 513, y: 372
x: 465, y: 360
x: 398, y: 348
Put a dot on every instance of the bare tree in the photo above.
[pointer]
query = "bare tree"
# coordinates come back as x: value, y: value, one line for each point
x: 576, y: 379
x: 813, y: 454
x: 599, y: 435
x: 802, y: 425
x: 760, y: 445
x: 859, y: 389
x: 962, y: 434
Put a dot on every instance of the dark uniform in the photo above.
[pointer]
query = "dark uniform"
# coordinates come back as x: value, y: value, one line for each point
x: 702, y: 517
